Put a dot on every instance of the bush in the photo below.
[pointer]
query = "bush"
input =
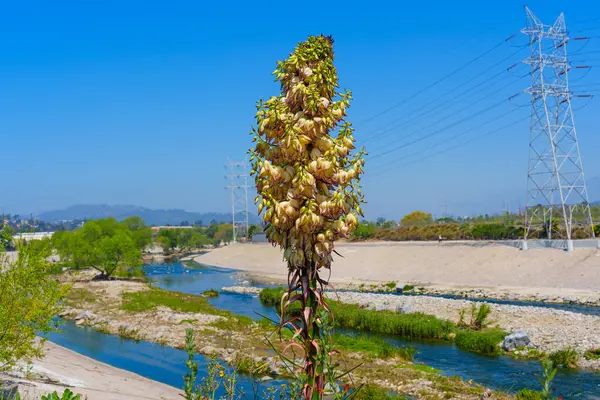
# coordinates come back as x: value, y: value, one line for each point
x: 592, y: 354
x: 479, y: 317
x: 364, y: 231
x: 210, y: 293
x: 415, y: 325
x: 528, y: 394
x: 566, y: 358
x: 67, y: 395
x: 485, y: 342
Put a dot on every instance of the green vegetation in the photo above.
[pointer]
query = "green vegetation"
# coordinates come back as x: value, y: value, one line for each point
x: 416, y: 218
x: 407, y: 288
x: 210, y: 293
x: 479, y: 317
x: 480, y: 340
x: 106, y: 245
x: 29, y: 300
x: 67, y: 395
x: 566, y: 358
x: 374, y: 393
x: 592, y: 354
x: 549, y: 371
x: 373, y: 346
x: 424, y: 368
x: 483, y: 342
x: 414, y: 325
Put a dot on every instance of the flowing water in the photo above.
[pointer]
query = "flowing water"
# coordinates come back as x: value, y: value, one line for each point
x: 160, y: 363
x: 166, y: 364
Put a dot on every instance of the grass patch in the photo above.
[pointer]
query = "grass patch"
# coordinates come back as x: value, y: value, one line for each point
x: 271, y: 296
x: 415, y: 325
x: 483, y: 342
x: 80, y: 296
x: 210, y: 293
x: 390, y: 285
x: 151, y: 299
x: 187, y: 321
x: 128, y: 333
x: 592, y: 354
x: 407, y: 288
x: 375, y: 347
x: 424, y: 368
x: 528, y: 394
x: 566, y: 358
x: 375, y: 393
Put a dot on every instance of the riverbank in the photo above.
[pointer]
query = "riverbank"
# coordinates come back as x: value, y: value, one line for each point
x: 61, y: 368
x: 549, y: 330
x: 137, y: 311
x: 490, y: 270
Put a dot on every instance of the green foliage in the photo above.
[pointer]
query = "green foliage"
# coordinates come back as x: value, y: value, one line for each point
x: 67, y: 395
x: 495, y: 231
x: 592, y: 354
x: 528, y: 394
x: 417, y: 218
x: 408, y: 288
x: 485, y: 342
x: 479, y: 317
x: 374, y: 393
x: 183, y: 239
x: 141, y: 234
x: 597, y: 230
x: 6, y: 234
x: 104, y: 244
x: 29, y: 299
x: 415, y: 325
x: 364, y: 231
x: 374, y: 346
x: 566, y: 358
x: 271, y: 296
x: 210, y: 293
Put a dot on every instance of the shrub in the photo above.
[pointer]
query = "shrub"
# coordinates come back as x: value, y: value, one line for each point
x: 210, y: 293
x: 479, y: 317
x: 485, y: 342
x: 67, y: 395
x: 415, y: 325
x: 592, y: 354
x: 528, y: 394
x: 374, y: 346
x: 566, y: 358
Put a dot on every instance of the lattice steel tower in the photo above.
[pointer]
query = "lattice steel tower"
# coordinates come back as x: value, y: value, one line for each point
x: 238, y: 184
x: 556, y: 191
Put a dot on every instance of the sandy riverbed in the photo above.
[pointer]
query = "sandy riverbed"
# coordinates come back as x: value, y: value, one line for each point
x: 548, y: 272
x: 91, y: 378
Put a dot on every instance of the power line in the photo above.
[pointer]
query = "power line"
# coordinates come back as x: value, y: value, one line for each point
x: 427, y: 112
x: 453, y: 147
x: 456, y: 112
x: 503, y: 115
x: 440, y: 80
x: 438, y: 131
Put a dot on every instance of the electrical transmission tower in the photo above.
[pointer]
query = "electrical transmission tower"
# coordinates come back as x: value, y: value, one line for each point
x: 556, y: 190
x: 237, y: 178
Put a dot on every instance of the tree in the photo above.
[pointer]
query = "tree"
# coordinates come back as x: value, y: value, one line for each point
x: 104, y: 244
x: 168, y: 239
x: 5, y: 238
x: 29, y: 300
x: 252, y: 229
x: 141, y: 233
x: 417, y: 218
x: 307, y: 184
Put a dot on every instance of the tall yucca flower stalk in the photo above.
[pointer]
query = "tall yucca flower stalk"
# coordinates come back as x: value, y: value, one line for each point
x: 307, y: 182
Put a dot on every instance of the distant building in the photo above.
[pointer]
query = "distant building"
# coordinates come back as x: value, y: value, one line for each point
x: 28, y: 236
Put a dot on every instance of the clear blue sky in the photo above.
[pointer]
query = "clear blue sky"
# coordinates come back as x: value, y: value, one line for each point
x: 141, y: 102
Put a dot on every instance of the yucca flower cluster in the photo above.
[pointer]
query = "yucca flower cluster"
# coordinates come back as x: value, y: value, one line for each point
x: 306, y: 175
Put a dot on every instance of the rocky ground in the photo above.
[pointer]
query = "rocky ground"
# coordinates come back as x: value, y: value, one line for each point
x: 97, y: 304
x: 549, y: 329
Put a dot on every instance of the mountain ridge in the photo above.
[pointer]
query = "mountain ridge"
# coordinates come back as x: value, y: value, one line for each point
x: 151, y: 216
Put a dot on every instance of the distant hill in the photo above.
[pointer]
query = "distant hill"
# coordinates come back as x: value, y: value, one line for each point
x: 150, y: 216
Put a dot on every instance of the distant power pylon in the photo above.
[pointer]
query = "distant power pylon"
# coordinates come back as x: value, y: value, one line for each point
x: 556, y: 190
x: 237, y: 177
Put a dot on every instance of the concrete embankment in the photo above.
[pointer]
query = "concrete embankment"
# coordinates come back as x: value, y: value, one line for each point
x: 537, y: 272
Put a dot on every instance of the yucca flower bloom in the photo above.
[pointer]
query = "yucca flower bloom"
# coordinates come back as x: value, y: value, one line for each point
x: 306, y: 175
